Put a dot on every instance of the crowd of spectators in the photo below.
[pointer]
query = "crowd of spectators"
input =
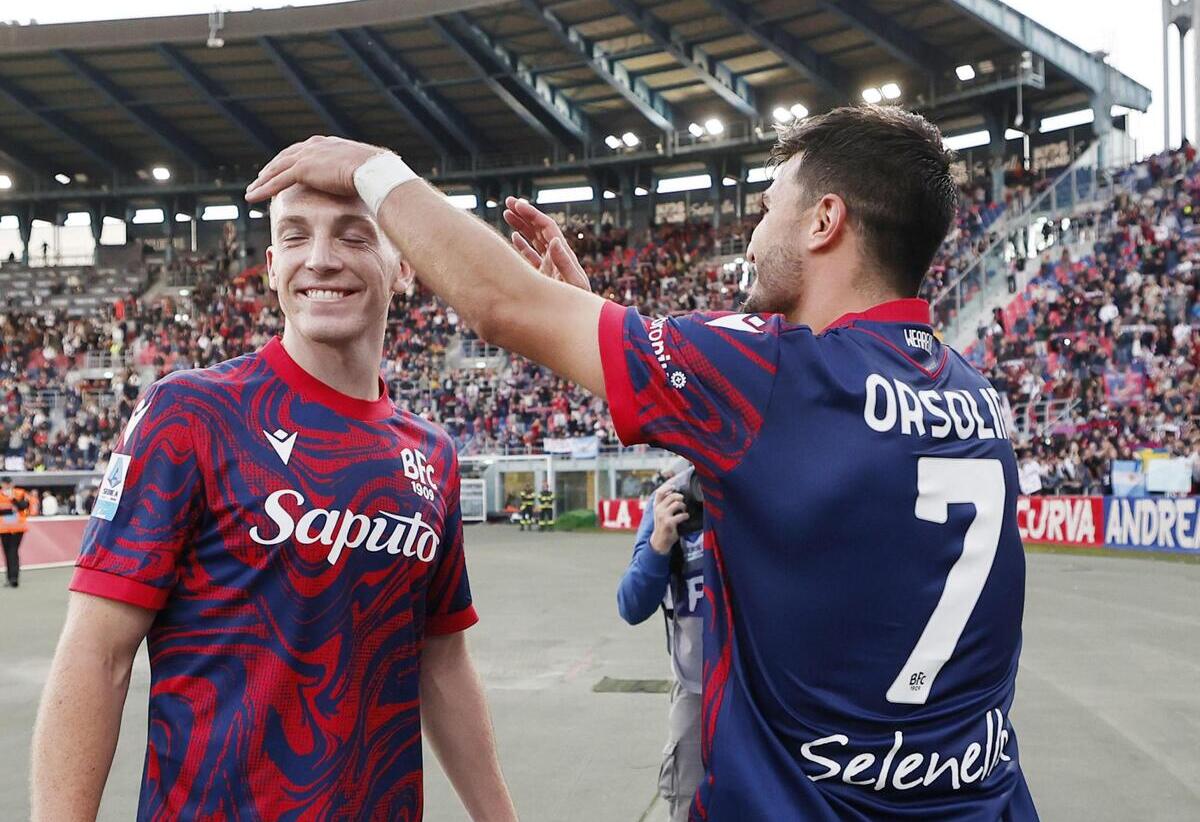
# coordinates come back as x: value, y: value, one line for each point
x: 969, y: 237
x: 1098, y: 356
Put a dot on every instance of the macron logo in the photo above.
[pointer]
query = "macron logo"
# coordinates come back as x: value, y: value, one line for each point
x: 282, y: 442
x: 134, y: 419
x: 751, y: 323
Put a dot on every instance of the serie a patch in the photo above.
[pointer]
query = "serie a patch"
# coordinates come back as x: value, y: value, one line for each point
x: 111, y: 487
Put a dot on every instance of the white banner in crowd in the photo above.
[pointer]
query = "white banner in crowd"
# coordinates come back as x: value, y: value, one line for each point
x: 581, y: 448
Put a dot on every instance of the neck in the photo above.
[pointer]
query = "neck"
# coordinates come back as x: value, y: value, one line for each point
x: 351, y: 367
x: 819, y: 310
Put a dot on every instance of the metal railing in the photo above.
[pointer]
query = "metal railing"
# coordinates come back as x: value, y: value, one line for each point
x: 99, y: 399
x: 105, y: 361
x: 730, y: 246
x: 986, y: 275
x: 1041, y: 414
x: 484, y: 451
x: 475, y: 349
x: 46, y: 400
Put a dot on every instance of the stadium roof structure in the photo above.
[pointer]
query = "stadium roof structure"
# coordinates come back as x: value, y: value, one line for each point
x: 470, y: 89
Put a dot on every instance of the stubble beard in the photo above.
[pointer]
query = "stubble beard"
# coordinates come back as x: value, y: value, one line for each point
x: 776, y: 287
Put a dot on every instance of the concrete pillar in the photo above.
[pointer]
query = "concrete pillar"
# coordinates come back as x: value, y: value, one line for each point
x: 1166, y: 76
x: 628, y: 183
x: 1183, y: 30
x: 243, y: 233
x: 1102, y: 127
x: 997, y: 124
x: 96, y: 213
x: 169, y: 231
x: 1195, y: 71
x: 716, y: 175
x: 739, y: 191
x: 597, y: 184
x: 652, y: 197
x: 25, y: 227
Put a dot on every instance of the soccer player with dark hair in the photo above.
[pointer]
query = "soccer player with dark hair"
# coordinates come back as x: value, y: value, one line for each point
x: 290, y: 545
x: 864, y: 576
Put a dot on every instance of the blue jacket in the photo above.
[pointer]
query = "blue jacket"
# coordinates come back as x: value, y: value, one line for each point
x: 645, y: 581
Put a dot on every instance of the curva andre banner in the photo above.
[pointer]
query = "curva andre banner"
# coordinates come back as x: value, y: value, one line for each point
x: 1170, y: 524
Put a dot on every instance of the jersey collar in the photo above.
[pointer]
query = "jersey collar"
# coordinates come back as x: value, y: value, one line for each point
x: 313, y: 390
x: 895, y: 311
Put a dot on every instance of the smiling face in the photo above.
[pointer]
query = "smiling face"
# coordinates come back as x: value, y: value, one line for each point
x: 332, y: 267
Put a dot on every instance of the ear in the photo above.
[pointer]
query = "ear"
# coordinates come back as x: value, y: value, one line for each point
x: 829, y: 223
x: 404, y: 278
x: 272, y: 280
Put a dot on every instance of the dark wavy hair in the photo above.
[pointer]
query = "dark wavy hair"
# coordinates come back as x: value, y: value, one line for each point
x: 893, y: 172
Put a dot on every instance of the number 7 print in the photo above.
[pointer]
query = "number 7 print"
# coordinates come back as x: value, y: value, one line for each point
x: 940, y: 483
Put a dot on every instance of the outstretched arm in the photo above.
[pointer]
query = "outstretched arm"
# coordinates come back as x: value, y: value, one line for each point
x: 461, y: 259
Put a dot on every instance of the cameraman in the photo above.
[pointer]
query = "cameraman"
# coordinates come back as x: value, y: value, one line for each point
x: 667, y: 571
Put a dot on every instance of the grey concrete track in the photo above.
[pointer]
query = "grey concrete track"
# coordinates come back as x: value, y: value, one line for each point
x: 1107, y: 713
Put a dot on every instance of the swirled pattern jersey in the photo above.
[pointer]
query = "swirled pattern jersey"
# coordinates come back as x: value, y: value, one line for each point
x: 298, y: 545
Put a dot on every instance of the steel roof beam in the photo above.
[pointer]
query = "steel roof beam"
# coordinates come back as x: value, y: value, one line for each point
x: 98, y: 150
x: 727, y: 85
x: 540, y: 106
x: 417, y: 120
x: 649, y: 103
x: 162, y: 130
x: 816, y: 67
x: 451, y: 121
x: 1087, y: 70
x: 336, y: 121
x: 25, y: 159
x: 218, y: 97
x: 896, y: 40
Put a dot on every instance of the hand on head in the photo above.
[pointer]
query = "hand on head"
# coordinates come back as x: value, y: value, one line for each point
x: 324, y: 163
x: 538, y: 239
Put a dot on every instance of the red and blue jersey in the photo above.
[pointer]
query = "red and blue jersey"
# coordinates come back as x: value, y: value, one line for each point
x: 864, y: 576
x: 298, y: 546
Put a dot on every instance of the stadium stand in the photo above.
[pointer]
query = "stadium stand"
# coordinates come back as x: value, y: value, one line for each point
x: 80, y: 342
x: 1099, y: 355
x: 1063, y: 368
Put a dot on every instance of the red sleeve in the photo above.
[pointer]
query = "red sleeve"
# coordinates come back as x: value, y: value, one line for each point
x: 696, y: 384
x: 451, y: 623
x: 148, y: 507
x: 111, y: 586
x: 621, y: 401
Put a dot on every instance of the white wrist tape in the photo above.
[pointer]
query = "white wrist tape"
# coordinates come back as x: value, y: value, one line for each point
x: 376, y: 178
